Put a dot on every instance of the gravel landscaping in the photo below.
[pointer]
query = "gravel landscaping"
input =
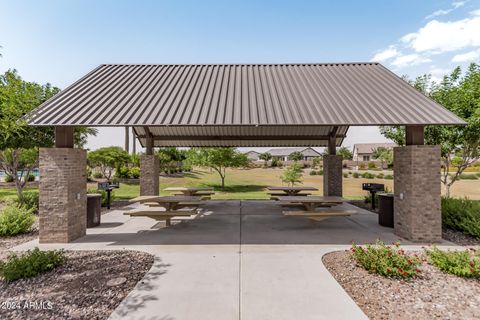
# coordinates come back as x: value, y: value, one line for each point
x: 433, y: 295
x: 90, y: 285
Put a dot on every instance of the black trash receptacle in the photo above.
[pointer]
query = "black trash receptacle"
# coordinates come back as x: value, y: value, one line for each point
x: 385, y: 209
x: 94, y: 210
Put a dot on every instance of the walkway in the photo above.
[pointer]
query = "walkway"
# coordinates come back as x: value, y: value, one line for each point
x: 239, y: 260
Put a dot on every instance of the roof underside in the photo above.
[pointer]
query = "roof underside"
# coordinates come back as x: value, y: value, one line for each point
x: 241, y: 105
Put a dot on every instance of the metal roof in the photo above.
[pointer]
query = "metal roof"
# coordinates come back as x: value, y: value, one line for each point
x: 185, y: 98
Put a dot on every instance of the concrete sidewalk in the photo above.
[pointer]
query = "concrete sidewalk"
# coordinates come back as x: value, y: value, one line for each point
x: 237, y: 260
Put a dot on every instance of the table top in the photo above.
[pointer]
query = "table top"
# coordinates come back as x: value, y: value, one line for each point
x: 163, y: 199
x: 292, y: 188
x: 312, y: 199
x: 188, y: 189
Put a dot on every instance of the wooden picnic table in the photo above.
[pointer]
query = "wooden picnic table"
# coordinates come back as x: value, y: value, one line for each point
x: 190, y: 191
x: 292, y: 191
x: 310, y: 203
x: 168, y: 202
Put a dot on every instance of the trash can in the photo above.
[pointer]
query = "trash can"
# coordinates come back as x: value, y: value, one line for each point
x: 385, y: 209
x: 94, y: 211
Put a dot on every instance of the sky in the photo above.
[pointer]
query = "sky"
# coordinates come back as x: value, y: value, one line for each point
x: 60, y: 41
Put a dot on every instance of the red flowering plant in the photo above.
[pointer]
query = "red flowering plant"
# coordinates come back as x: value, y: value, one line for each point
x: 462, y: 263
x: 388, y: 261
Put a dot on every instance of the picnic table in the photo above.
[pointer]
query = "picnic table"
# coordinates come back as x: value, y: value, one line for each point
x: 191, y: 191
x: 310, y: 203
x: 292, y: 191
x: 168, y: 202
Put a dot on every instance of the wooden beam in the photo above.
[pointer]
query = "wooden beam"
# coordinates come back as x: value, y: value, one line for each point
x: 414, y: 135
x: 149, y: 141
x: 332, y: 141
x: 64, y: 137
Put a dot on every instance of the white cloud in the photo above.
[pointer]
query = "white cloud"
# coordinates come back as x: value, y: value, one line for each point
x: 439, y: 37
x: 467, y: 57
x: 409, y: 60
x: 389, y: 53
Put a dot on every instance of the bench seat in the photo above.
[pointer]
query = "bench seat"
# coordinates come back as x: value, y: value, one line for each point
x: 320, y: 214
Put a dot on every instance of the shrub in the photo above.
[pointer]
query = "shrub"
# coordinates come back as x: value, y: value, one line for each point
x: 103, y: 193
x: 97, y: 175
x: 380, y: 176
x: 8, y: 178
x: 345, y: 175
x: 356, y: 175
x: 15, y: 219
x: 462, y: 215
x: 135, y: 172
x: 368, y: 175
x: 466, y: 176
x: 372, y: 165
x: 388, y: 177
x: 465, y: 263
x: 313, y: 173
x: 30, y: 264
x: 386, y: 260
x: 29, y: 201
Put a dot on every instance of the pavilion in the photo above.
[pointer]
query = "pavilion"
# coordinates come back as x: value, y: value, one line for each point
x: 254, y: 105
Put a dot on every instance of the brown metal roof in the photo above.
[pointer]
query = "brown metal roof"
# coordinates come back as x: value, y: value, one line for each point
x: 340, y: 94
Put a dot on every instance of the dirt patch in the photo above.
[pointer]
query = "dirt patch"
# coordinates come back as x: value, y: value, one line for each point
x: 90, y: 285
x: 434, y: 295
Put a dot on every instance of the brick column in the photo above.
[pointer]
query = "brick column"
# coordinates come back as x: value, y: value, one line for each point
x: 63, y: 200
x: 417, y: 211
x: 332, y: 175
x: 149, y: 175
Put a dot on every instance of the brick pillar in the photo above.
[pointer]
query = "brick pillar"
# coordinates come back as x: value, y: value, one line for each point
x: 63, y: 199
x: 332, y: 175
x: 149, y: 175
x: 417, y: 188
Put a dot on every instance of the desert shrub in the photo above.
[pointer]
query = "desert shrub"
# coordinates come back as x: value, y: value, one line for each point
x: 461, y: 215
x: 8, y: 178
x: 464, y: 263
x: 313, y: 173
x: 345, y: 175
x: 103, y: 193
x: 372, y: 165
x: 380, y: 176
x: 30, y: 264
x: 356, y: 175
x: 97, y: 175
x: 368, y: 175
x: 466, y: 176
x: 15, y: 219
x: 388, y: 177
x: 135, y: 172
x: 29, y: 201
x: 388, y: 261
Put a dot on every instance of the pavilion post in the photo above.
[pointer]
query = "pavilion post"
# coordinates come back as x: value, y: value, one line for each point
x: 149, y: 169
x: 332, y: 168
x: 63, y: 186
x: 417, y: 189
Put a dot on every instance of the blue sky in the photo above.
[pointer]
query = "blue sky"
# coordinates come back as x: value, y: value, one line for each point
x: 59, y: 41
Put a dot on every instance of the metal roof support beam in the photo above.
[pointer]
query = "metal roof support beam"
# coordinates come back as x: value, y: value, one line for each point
x: 332, y: 141
x: 64, y: 137
x: 149, y: 141
x: 414, y: 135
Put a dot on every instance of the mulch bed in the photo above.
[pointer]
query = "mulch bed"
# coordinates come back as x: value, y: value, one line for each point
x: 90, y: 285
x: 434, y: 295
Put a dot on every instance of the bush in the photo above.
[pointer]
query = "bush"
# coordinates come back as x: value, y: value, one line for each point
x: 103, y: 193
x: 30, y: 264
x: 368, y: 175
x: 356, y: 175
x: 461, y: 215
x: 465, y: 263
x: 386, y: 260
x: 97, y: 175
x: 29, y: 201
x: 372, y: 165
x: 388, y: 177
x: 135, y: 172
x: 15, y: 219
x: 8, y: 178
x: 466, y: 176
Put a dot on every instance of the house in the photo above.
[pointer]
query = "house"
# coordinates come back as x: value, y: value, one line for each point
x: 282, y: 154
x: 364, y: 151
x: 253, y: 155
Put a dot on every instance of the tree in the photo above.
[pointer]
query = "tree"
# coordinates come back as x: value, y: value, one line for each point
x: 19, y: 142
x: 107, y: 159
x: 293, y: 174
x: 345, y: 153
x: 460, y: 145
x: 384, y: 155
x: 218, y: 159
x: 295, y: 156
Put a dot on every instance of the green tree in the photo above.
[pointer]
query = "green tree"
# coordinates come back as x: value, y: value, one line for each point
x: 295, y: 156
x: 384, y: 155
x: 292, y: 175
x: 107, y: 159
x: 345, y: 153
x: 219, y: 159
x: 461, y: 95
x: 19, y: 143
